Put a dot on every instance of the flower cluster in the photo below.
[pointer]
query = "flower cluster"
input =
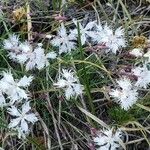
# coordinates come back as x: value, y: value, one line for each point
x: 24, y: 53
x: 127, y: 92
x: 108, y: 139
x: 13, y: 92
x: 92, y: 33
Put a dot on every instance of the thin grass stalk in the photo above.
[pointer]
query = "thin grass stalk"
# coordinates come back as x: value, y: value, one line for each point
x: 52, y: 112
x: 87, y: 88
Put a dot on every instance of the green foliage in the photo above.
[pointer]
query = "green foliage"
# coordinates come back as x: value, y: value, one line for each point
x: 139, y: 113
x: 120, y: 116
x: 36, y: 142
x: 3, y: 123
x: 56, y: 4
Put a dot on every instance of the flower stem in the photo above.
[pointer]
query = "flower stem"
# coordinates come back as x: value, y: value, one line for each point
x: 86, y: 82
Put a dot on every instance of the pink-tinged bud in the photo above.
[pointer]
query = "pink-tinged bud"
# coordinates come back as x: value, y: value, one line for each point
x: 101, y: 46
x: 97, y: 47
x: 93, y: 131
x: 133, y: 77
x: 60, y: 18
x: 128, y: 55
x: 61, y: 98
x: 129, y: 75
x: 91, y: 146
x: 42, y: 96
x: 126, y: 69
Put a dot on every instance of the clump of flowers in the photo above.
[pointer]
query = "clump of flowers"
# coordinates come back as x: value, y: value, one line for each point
x: 128, y: 91
x: 92, y: 33
x: 13, y: 92
x: 24, y: 53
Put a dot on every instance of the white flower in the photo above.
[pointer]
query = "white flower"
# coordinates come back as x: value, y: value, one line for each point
x: 22, y: 118
x: 32, y: 58
x: 113, y: 40
x: 108, y: 139
x: 41, y: 60
x: 124, y: 98
x: 84, y: 31
x: 124, y: 84
x: 63, y: 41
x: 70, y: 84
x: 25, y: 51
x: 15, y: 89
x: 38, y: 59
x: 18, y: 51
x: 143, y: 75
x: 51, y: 55
x: 137, y: 52
x: 25, y: 81
x: 126, y: 95
x: 20, y: 55
x: 25, y: 47
x: 11, y: 43
x: 97, y: 34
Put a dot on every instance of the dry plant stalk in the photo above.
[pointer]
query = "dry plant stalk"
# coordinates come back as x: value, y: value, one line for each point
x: 29, y: 22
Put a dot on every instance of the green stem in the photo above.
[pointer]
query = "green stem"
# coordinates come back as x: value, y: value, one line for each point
x: 87, y: 88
